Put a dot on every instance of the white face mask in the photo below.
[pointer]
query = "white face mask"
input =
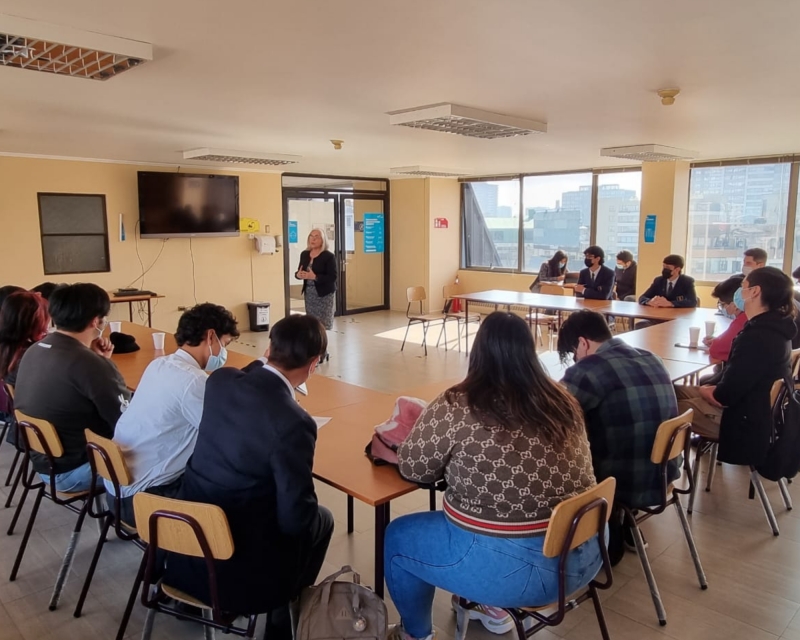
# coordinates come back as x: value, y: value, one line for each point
x: 102, y: 327
x: 747, y: 270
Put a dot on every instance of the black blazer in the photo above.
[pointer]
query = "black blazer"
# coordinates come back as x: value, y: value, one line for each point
x: 603, y: 286
x: 682, y: 295
x: 761, y: 354
x: 253, y: 458
x: 325, y: 269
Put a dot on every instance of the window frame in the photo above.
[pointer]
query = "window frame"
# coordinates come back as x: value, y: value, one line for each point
x: 520, y: 217
x: 104, y: 234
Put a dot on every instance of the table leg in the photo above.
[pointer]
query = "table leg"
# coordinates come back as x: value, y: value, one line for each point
x: 149, y: 313
x: 382, y: 516
x: 432, y: 497
x: 130, y: 311
x: 466, y: 326
x: 350, y: 509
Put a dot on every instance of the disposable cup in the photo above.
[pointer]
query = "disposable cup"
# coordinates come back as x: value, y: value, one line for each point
x: 158, y: 341
x: 694, y: 336
x: 115, y: 327
x: 710, y: 327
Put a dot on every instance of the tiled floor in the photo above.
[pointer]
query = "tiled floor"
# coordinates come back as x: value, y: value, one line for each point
x: 754, y: 578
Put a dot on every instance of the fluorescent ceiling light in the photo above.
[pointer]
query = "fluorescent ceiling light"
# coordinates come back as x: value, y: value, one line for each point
x: 465, y: 121
x: 50, y: 48
x: 240, y: 157
x: 430, y: 172
x: 648, y: 153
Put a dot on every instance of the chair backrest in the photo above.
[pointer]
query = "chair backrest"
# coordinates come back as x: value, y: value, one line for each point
x: 664, y: 443
x: 775, y: 392
x: 448, y: 291
x: 552, y: 289
x: 40, y: 435
x: 591, y: 522
x: 9, y: 390
x: 795, y: 363
x: 415, y: 294
x: 107, y: 459
x: 183, y: 527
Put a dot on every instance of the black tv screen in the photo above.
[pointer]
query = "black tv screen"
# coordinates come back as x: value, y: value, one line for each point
x: 185, y: 205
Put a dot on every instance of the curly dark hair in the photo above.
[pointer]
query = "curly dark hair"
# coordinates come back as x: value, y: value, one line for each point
x: 195, y: 323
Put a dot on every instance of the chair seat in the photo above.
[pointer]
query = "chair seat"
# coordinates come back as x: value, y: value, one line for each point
x: 62, y: 495
x: 180, y: 596
x: 462, y: 315
x: 428, y: 317
x: 129, y: 528
x: 542, y: 318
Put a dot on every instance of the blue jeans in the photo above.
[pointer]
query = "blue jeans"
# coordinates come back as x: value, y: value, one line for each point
x: 425, y: 550
x: 79, y: 479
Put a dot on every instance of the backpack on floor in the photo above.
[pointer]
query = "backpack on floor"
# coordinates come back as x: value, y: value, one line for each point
x: 783, y: 456
x: 341, y: 610
x: 389, y: 435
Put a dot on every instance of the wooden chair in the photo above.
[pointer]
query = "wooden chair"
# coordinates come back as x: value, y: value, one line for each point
x: 41, y: 437
x: 672, y: 439
x: 448, y: 292
x: 108, y: 463
x: 417, y: 294
x: 551, y: 289
x: 572, y: 523
x: 186, y: 528
x: 706, y: 444
x: 795, y: 364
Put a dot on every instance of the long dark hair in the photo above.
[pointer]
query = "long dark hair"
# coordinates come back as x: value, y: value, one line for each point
x: 507, y: 384
x: 23, y: 321
x: 776, y: 289
x: 554, y: 264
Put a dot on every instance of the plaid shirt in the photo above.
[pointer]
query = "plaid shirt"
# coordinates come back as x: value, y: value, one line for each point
x: 626, y: 393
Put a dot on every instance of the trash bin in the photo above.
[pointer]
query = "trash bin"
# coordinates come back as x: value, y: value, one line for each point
x: 259, y: 316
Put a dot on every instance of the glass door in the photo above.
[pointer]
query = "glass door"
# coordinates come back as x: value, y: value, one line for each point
x: 363, y: 277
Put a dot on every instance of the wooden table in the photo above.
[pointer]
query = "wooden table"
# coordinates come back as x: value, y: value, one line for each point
x: 662, y: 338
x: 115, y: 299
x: 339, y: 460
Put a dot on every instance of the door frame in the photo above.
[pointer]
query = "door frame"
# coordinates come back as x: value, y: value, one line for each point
x: 337, y: 196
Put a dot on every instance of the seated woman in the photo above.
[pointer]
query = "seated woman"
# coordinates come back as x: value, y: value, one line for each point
x: 719, y: 347
x: 511, y: 444
x: 554, y: 270
x: 737, y: 411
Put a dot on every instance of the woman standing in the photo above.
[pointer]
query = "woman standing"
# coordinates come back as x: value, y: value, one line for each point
x: 511, y: 444
x: 553, y: 270
x: 317, y: 270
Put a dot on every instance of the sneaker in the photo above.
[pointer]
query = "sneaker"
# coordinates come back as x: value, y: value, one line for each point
x: 627, y: 537
x: 493, y: 619
x: 396, y: 632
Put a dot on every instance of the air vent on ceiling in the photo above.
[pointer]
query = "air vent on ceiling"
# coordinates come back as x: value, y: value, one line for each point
x: 39, y: 46
x: 240, y: 157
x: 428, y: 172
x: 465, y: 121
x: 648, y: 153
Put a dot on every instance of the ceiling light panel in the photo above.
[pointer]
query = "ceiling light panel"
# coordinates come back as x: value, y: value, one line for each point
x: 648, y: 153
x: 465, y: 121
x: 428, y: 172
x: 48, y: 48
x: 240, y: 157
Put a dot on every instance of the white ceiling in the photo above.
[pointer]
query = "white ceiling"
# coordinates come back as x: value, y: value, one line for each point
x: 286, y: 76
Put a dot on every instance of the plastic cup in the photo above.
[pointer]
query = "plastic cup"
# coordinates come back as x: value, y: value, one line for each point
x: 158, y: 341
x: 710, y: 327
x: 115, y: 327
x: 694, y: 336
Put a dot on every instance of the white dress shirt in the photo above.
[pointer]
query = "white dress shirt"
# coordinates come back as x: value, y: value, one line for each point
x: 158, y: 431
x: 269, y: 367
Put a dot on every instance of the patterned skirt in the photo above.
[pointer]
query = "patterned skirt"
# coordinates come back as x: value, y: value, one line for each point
x: 320, y: 307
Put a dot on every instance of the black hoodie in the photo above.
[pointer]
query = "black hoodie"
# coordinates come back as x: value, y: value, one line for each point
x: 760, y: 355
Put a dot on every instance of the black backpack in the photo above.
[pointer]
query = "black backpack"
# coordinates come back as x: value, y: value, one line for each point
x: 783, y: 456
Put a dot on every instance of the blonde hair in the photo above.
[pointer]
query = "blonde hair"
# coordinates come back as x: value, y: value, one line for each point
x: 322, y: 235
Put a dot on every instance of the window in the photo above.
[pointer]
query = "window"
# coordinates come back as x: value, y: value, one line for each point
x: 557, y: 216
x: 734, y: 208
x: 620, y: 194
x: 796, y: 254
x: 490, y: 212
x: 74, y: 233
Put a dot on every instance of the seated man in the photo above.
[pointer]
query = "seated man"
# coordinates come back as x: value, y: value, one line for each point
x: 253, y: 458
x: 625, y: 275
x: 158, y: 430
x: 596, y: 281
x: 671, y: 288
x: 753, y: 259
x: 719, y: 347
x: 625, y: 393
x: 69, y: 380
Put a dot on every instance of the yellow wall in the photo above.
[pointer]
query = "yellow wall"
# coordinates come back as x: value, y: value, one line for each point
x: 364, y: 270
x: 409, y: 257
x: 444, y: 201
x: 223, y: 265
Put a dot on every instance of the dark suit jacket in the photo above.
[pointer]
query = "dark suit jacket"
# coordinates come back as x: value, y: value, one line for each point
x: 603, y: 286
x: 253, y: 458
x: 324, y: 268
x: 682, y: 295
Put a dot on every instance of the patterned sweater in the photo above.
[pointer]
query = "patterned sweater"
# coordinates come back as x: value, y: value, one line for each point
x: 499, y: 482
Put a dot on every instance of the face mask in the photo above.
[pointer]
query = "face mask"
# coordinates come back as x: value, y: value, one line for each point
x: 217, y: 361
x: 727, y: 313
x: 621, y: 266
x: 101, y: 327
x: 588, y: 262
x: 747, y: 270
x: 666, y: 273
x: 563, y: 265
x: 738, y: 300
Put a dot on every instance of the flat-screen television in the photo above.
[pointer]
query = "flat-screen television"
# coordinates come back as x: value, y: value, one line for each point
x: 185, y: 205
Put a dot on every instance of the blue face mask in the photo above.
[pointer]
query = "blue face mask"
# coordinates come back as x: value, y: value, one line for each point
x: 217, y: 361
x: 738, y: 300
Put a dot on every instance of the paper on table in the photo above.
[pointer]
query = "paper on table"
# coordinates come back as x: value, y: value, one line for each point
x: 302, y: 388
x: 321, y: 422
